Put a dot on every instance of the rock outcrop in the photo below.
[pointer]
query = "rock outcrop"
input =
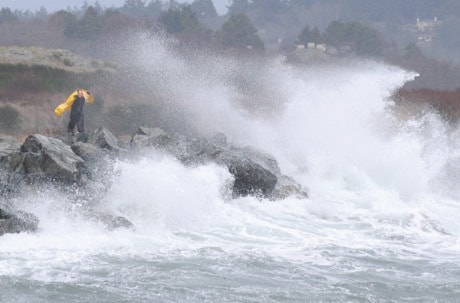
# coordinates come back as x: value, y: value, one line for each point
x: 9, y: 147
x: 17, y: 222
x: 44, y: 159
x: 255, y: 172
x: 49, y: 158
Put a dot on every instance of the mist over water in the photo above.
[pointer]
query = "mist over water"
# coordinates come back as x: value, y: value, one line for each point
x: 381, y: 223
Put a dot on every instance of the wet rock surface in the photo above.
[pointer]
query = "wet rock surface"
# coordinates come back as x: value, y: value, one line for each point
x: 76, y: 165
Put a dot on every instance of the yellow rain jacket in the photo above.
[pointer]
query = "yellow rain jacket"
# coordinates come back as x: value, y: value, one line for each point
x: 68, y: 103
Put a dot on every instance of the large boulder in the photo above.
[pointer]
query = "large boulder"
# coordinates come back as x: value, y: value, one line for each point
x: 110, y: 221
x: 288, y: 187
x: 157, y: 139
x: 50, y: 158
x: 254, y: 172
x: 248, y: 154
x: 251, y: 179
x: 17, y: 222
x: 88, y: 152
x: 9, y: 148
x: 104, y: 139
x: 198, y: 151
x: 151, y: 137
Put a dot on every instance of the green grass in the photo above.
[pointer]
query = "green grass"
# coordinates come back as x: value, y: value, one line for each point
x: 39, y: 78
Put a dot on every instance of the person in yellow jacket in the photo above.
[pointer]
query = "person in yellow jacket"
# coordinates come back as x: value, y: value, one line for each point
x: 75, y: 102
x: 76, y: 113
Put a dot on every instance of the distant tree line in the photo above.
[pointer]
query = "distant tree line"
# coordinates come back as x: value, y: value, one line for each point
x: 185, y: 21
x: 249, y: 26
x: 91, y: 22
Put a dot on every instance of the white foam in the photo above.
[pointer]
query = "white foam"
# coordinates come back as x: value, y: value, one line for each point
x: 369, y: 174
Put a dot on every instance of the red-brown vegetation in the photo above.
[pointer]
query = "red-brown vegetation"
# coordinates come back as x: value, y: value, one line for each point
x: 446, y: 102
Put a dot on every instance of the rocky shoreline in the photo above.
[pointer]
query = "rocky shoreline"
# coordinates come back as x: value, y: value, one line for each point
x: 74, y: 164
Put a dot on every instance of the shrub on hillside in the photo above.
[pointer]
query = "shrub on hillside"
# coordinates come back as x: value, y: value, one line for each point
x: 445, y: 102
x: 9, y: 118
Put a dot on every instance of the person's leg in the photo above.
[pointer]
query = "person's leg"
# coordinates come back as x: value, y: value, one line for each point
x: 71, y: 126
x: 81, y: 124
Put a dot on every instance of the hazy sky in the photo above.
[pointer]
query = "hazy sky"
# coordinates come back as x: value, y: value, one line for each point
x: 54, y: 5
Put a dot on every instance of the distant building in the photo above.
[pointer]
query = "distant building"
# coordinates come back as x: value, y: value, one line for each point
x: 321, y: 47
x: 427, y: 25
x: 425, y: 29
x: 311, y: 53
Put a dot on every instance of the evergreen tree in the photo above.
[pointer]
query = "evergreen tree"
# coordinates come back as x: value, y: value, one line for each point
x: 134, y: 7
x: 362, y: 39
x: 306, y: 36
x: 6, y: 15
x: 182, y: 19
x: 97, y: 6
x: 42, y: 13
x: 239, y: 32
x: 154, y: 8
x: 204, y: 9
x: 66, y: 21
x: 239, y: 6
x: 267, y: 11
x: 90, y: 25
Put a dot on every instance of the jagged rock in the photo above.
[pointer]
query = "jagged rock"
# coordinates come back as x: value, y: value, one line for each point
x: 183, y: 149
x: 254, y: 172
x: 50, y: 158
x: 287, y: 187
x: 104, y: 139
x: 251, y: 179
x: 17, y: 222
x: 263, y: 159
x: 197, y: 151
x: 8, y: 146
x: 112, y: 222
x: 88, y: 152
x: 151, y: 137
x: 81, y: 137
x: 16, y: 162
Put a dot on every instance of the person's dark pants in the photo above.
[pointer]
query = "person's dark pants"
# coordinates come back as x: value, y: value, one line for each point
x: 78, y: 121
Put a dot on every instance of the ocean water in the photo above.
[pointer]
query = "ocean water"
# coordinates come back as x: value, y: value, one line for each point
x: 381, y: 224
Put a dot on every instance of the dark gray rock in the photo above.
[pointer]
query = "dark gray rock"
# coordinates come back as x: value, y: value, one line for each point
x: 112, y: 222
x: 251, y: 179
x: 288, y: 187
x: 17, y: 222
x: 50, y: 158
x: 197, y: 151
x: 81, y: 137
x: 261, y: 158
x: 104, y: 139
x: 8, y: 146
x: 254, y: 171
x: 152, y: 137
x: 88, y: 152
x: 248, y: 154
